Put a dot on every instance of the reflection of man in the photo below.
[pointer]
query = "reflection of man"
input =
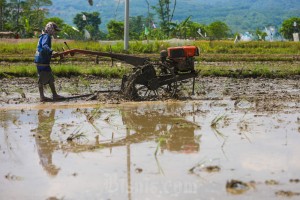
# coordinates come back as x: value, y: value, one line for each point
x: 43, y: 141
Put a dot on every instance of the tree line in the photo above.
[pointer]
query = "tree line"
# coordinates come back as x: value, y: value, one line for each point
x: 28, y: 17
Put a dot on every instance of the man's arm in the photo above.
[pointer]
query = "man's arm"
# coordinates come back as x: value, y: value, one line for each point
x: 46, y: 45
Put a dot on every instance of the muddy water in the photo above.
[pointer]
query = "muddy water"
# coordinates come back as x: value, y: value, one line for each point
x: 170, y: 150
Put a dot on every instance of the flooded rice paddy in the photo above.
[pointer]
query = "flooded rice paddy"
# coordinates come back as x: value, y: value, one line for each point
x: 150, y: 150
x: 233, y: 147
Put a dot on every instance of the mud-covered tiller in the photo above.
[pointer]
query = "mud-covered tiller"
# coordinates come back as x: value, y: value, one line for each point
x: 176, y: 64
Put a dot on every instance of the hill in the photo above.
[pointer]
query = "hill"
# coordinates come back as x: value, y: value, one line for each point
x: 240, y: 15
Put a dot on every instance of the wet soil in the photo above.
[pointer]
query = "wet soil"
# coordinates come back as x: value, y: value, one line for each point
x: 232, y: 139
x: 255, y: 90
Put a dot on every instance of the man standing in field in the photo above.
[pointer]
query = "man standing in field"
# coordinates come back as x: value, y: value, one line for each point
x: 43, y: 56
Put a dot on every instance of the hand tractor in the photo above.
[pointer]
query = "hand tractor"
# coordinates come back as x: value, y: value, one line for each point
x: 176, y: 64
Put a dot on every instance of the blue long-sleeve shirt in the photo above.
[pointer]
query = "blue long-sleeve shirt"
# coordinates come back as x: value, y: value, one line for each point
x: 43, y: 53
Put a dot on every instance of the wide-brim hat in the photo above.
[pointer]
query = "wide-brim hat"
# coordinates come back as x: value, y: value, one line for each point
x: 56, y: 28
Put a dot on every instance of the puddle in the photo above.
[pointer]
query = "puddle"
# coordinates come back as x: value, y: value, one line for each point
x: 181, y: 150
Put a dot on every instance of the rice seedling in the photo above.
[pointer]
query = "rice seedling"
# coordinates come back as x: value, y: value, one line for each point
x: 160, y: 141
x: 214, y: 125
x: 76, y: 136
x: 216, y: 121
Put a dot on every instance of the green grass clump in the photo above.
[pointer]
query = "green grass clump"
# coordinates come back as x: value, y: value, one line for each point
x: 108, y: 72
x: 65, y: 71
x: 238, y: 70
x: 18, y: 71
x: 253, y: 47
x: 244, y: 70
x: 95, y: 70
x: 28, y: 46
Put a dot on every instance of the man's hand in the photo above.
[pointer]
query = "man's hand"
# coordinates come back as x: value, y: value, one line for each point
x: 54, y: 54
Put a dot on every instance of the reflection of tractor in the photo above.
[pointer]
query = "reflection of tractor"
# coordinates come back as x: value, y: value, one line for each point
x: 176, y: 64
x: 181, y: 138
x: 177, y: 133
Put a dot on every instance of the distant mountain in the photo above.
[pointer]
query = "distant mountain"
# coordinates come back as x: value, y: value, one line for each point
x: 240, y: 15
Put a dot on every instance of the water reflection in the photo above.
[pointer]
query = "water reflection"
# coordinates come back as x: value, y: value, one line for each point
x: 177, y: 133
x: 132, y: 169
x: 140, y: 124
x: 45, y: 146
x: 171, y: 131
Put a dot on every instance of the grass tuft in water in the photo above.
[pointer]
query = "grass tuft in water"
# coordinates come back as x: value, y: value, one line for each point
x: 216, y: 120
x: 76, y: 136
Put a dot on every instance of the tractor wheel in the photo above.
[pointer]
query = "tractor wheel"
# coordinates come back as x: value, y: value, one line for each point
x: 128, y: 86
x: 135, y: 85
x: 172, y: 88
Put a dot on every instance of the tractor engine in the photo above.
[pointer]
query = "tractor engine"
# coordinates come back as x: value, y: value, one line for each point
x: 180, y: 59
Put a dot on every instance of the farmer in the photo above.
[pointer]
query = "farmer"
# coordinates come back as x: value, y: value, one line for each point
x: 42, y: 59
